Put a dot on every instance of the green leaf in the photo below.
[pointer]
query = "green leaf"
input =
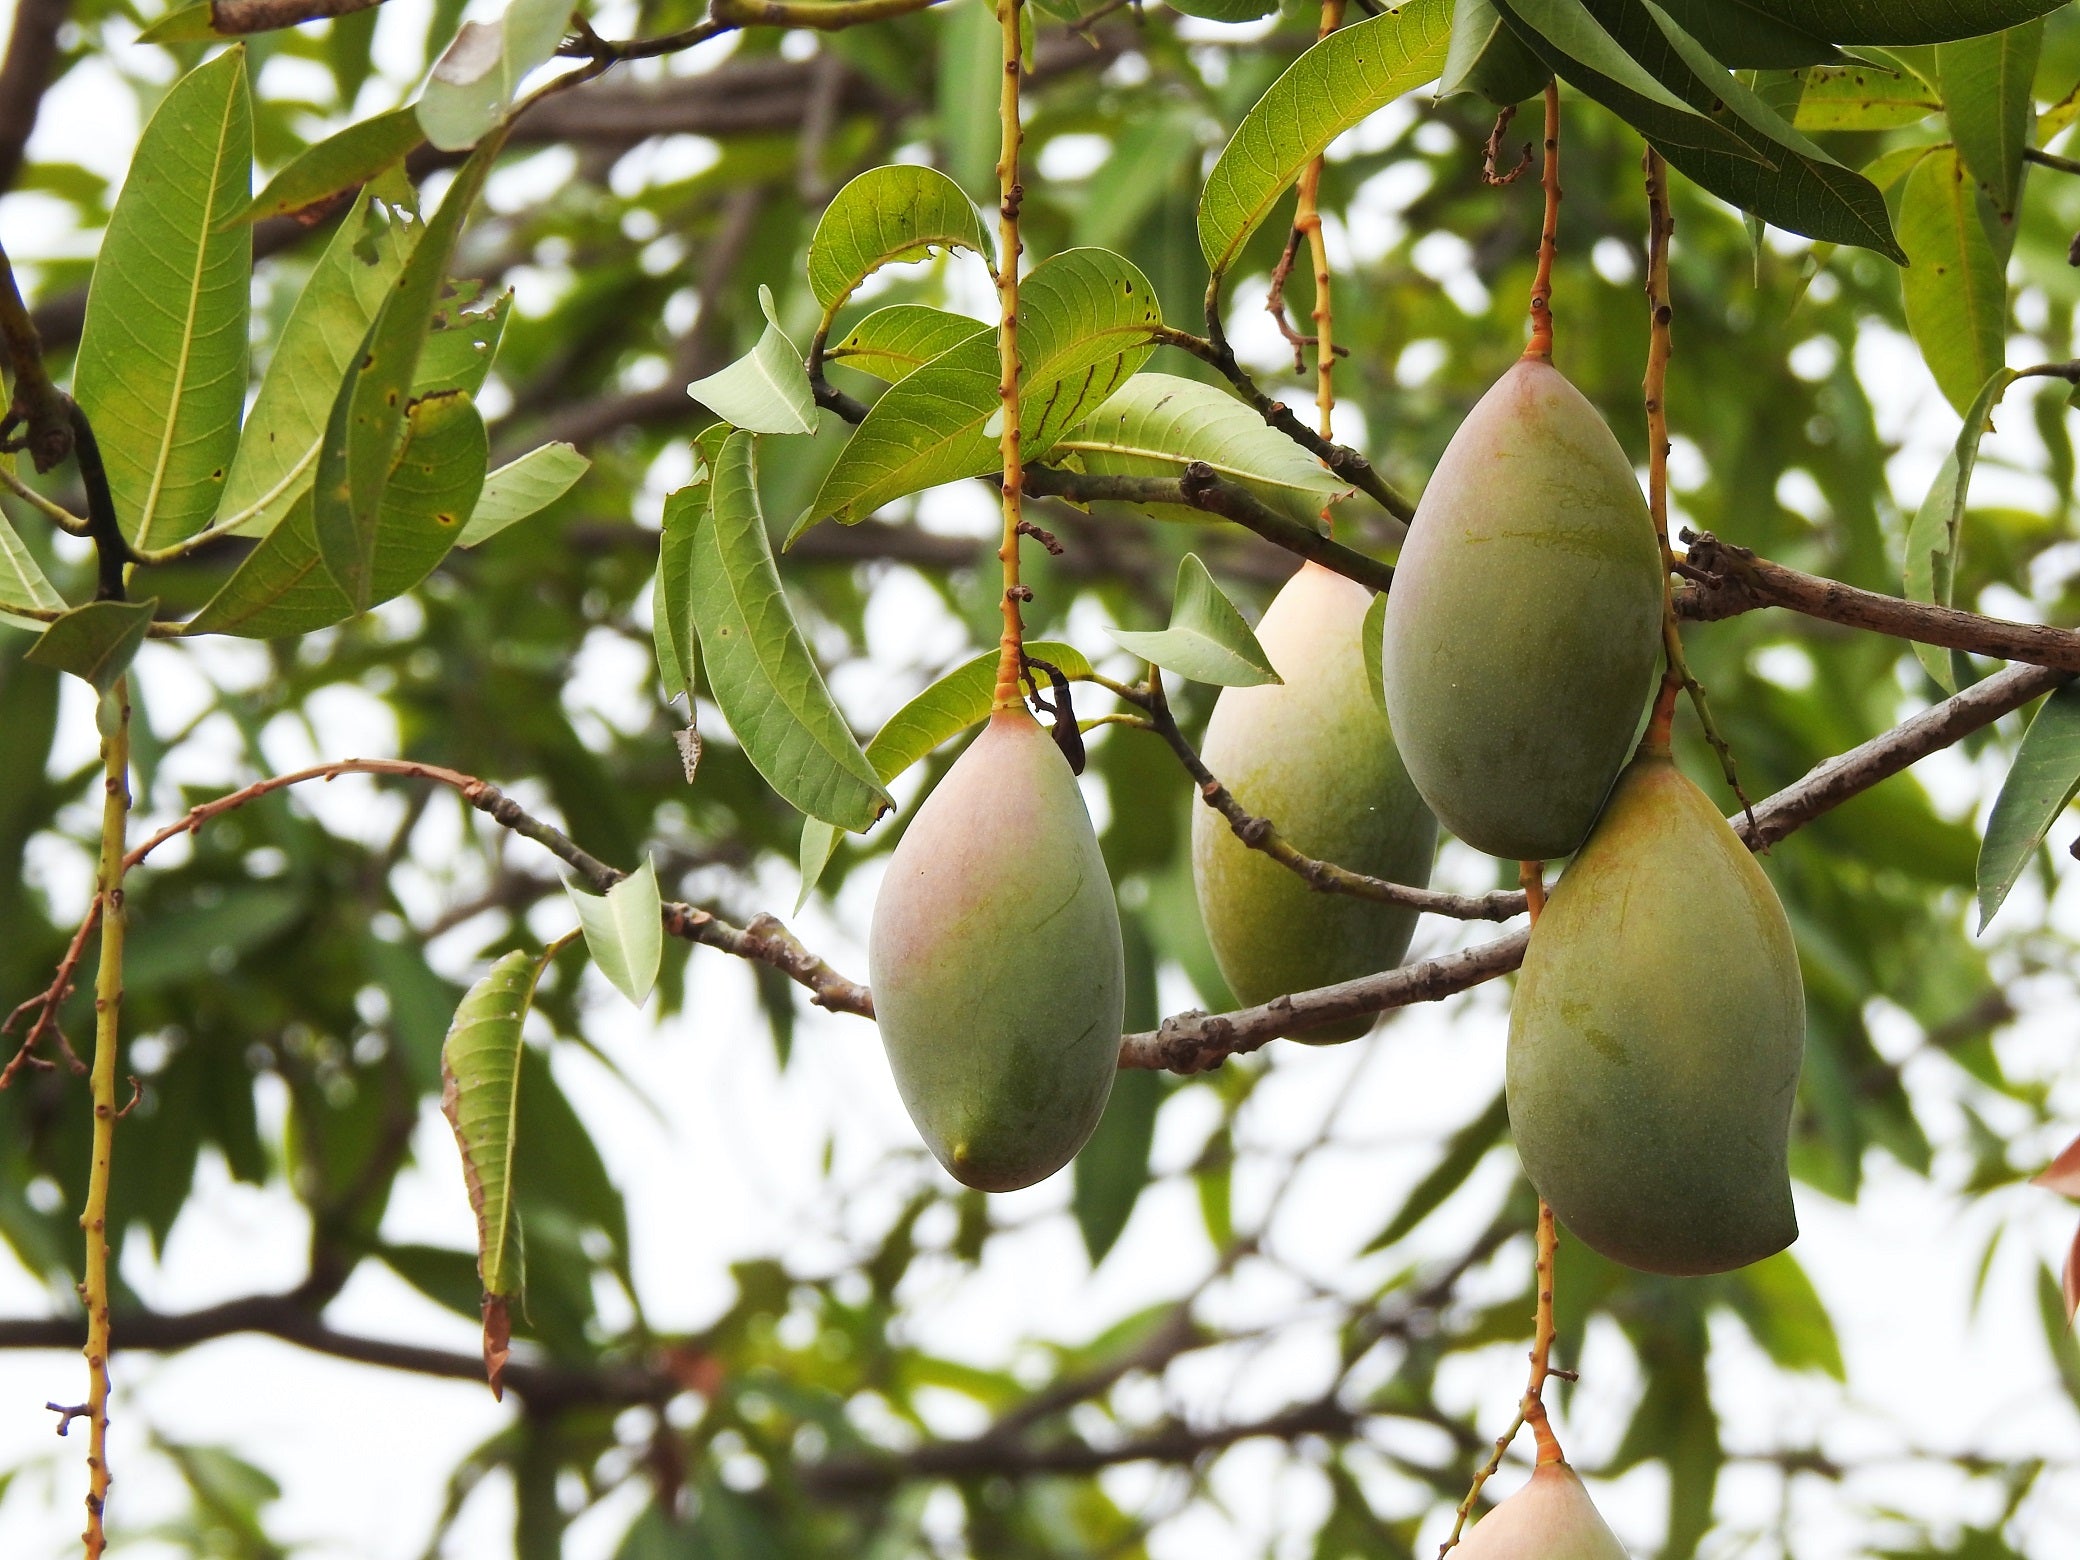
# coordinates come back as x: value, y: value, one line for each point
x: 2043, y: 781
x: 884, y: 217
x: 1747, y: 37
x: 1372, y: 642
x: 1938, y: 525
x: 97, y: 641
x: 283, y: 587
x: 339, y: 162
x: 365, y: 426
x: 1631, y: 57
x: 1207, y: 639
x: 1956, y: 292
x: 1157, y: 424
x: 958, y: 700
x: 2058, y: 1333
x: 1084, y: 318
x: 893, y: 342
x: 1227, y: 10
x: 1861, y: 96
x: 1784, y: 1313
x: 767, y: 389
x: 624, y: 930
x: 23, y: 584
x: 460, y: 348
x: 473, y: 84
x: 1889, y: 22
x: 970, y: 75
x: 1348, y: 75
x: 678, y: 648
x: 1463, y: 1152
x: 522, y: 488
x: 1486, y: 57
x: 1111, y: 1170
x: 162, y: 355
x: 1986, y: 94
x: 278, y: 453
x: 184, y: 24
x: 759, y: 670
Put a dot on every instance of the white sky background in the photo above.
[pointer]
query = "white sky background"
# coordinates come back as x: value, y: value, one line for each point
x: 731, y: 1169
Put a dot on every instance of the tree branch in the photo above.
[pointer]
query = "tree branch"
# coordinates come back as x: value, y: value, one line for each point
x: 235, y: 18
x: 25, y: 75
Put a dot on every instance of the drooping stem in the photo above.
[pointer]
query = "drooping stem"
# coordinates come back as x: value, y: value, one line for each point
x: 1542, y: 1331
x: 1009, y: 194
x: 108, y: 1002
x: 1541, y: 344
x: 1307, y: 218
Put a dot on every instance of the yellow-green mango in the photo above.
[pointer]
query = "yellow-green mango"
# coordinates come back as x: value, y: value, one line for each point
x: 999, y: 980
x: 1550, y: 1518
x: 1316, y: 757
x: 1524, y: 620
x: 1655, y: 1039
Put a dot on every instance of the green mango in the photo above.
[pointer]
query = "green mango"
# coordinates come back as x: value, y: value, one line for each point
x: 1488, y: 57
x: 1524, y: 621
x: 999, y: 977
x: 1890, y: 21
x: 1655, y: 1039
x: 1550, y: 1518
x: 1315, y: 756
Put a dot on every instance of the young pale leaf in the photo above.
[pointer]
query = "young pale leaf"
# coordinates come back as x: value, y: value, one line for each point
x: 759, y: 670
x: 162, y: 355
x: 767, y: 389
x: 1157, y: 424
x: 892, y: 343
x: 1207, y: 640
x: 1861, y: 96
x: 1084, y: 318
x: 958, y: 700
x: 337, y: 163
x: 365, y: 427
x: 473, y: 84
x: 1956, y: 292
x: 278, y: 454
x: 97, y: 641
x: 884, y: 217
x: 2043, y: 781
x: 624, y: 930
x: 521, y: 488
x: 23, y: 584
x: 1986, y: 94
x: 1353, y: 72
x: 283, y: 587
x: 1938, y: 525
x: 480, y: 1096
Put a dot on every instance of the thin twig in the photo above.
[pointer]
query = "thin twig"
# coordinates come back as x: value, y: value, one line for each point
x: 1010, y: 196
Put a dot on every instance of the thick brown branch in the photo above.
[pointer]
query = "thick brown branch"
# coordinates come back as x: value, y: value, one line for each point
x: 25, y: 75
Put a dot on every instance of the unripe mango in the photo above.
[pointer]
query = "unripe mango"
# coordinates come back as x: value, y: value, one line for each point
x: 999, y: 980
x: 1524, y: 620
x: 1551, y: 1518
x: 1316, y: 757
x: 1655, y: 1039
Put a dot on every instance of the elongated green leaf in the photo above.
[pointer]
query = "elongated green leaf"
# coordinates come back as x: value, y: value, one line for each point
x: 886, y: 216
x: 672, y: 605
x: 1934, y: 534
x: 365, y: 426
x: 892, y: 343
x: 1155, y: 425
x: 958, y: 700
x: 1351, y: 73
x: 1084, y: 317
x: 2043, y: 781
x: 1372, y: 642
x: 1745, y: 36
x: 278, y: 453
x: 162, y: 356
x: 283, y: 587
x: 759, y: 670
x: 1207, y: 640
x: 1463, y: 1152
x: 522, y: 488
x: 1861, y: 96
x: 96, y: 642
x: 473, y: 84
x: 1986, y: 94
x: 1892, y: 21
x: 1632, y: 57
x: 767, y: 389
x: 1111, y: 1171
x: 624, y: 930
x: 461, y: 346
x: 22, y: 581
x: 339, y: 162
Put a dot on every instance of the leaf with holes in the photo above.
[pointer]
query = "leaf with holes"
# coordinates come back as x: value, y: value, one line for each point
x: 759, y: 669
x: 523, y: 488
x: 338, y: 163
x: 767, y: 389
x: 96, y: 642
x: 162, y: 354
x: 2041, y: 784
x: 884, y: 217
x: 624, y: 930
x: 895, y: 342
x: 473, y: 84
x: 1207, y: 640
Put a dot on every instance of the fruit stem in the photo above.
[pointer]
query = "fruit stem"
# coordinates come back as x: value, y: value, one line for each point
x: 1541, y: 344
x: 1542, y: 1333
x: 1010, y: 653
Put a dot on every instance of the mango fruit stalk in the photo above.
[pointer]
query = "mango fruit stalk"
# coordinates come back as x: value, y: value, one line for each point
x: 1656, y: 1035
x: 1316, y: 757
x: 1524, y: 622
x: 999, y: 980
x: 1551, y: 1518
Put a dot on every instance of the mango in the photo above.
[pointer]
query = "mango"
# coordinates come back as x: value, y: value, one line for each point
x: 1550, y: 1518
x: 1524, y: 620
x: 1656, y: 1035
x: 995, y: 955
x: 1314, y: 755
